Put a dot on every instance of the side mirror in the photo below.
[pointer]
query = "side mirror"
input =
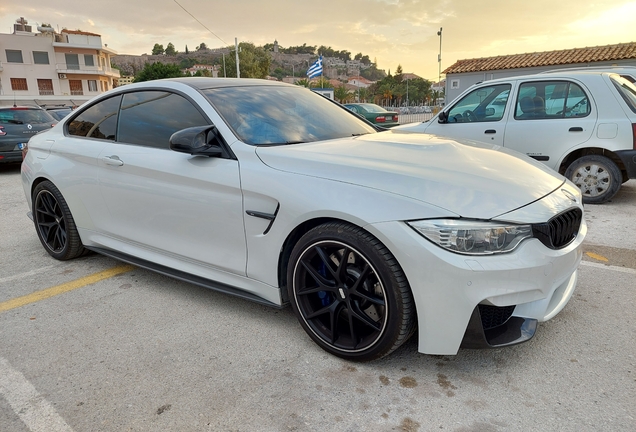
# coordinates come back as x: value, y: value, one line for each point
x: 442, y: 117
x: 490, y: 112
x: 197, y: 141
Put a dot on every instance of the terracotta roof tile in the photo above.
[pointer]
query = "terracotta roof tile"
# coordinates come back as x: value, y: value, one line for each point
x: 624, y: 51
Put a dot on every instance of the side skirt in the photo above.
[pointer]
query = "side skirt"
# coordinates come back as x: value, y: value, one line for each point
x: 178, y: 274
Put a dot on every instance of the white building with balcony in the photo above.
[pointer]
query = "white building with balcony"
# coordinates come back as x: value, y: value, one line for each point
x: 46, y: 67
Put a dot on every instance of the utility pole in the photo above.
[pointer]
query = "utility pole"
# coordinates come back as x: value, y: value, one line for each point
x: 238, y: 70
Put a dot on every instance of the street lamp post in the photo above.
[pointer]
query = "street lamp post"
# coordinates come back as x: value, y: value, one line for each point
x: 238, y: 70
x: 407, y: 93
x: 439, y: 59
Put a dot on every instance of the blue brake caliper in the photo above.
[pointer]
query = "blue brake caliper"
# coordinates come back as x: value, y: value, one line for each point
x: 325, y: 299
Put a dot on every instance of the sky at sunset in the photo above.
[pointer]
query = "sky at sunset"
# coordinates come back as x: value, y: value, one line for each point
x: 390, y: 31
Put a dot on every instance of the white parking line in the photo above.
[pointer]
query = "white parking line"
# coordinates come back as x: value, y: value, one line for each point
x: 27, y: 274
x: 609, y: 267
x: 35, y: 411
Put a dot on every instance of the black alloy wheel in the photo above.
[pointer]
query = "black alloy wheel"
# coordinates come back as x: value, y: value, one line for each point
x: 349, y: 293
x: 54, y: 223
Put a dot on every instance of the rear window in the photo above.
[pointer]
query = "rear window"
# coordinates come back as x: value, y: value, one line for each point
x: 25, y: 116
x: 626, y: 89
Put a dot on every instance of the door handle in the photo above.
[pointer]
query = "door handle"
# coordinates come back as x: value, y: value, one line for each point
x: 490, y: 131
x: 576, y: 129
x: 112, y: 160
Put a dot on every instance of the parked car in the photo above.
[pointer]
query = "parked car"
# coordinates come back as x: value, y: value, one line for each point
x: 273, y: 193
x: 374, y: 113
x: 59, y: 113
x: 17, y: 125
x: 582, y: 124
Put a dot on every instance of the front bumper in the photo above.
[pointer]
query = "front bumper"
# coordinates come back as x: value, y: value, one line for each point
x: 448, y: 288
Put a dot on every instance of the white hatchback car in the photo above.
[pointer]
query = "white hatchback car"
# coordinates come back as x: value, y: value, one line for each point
x: 580, y: 123
x: 276, y: 194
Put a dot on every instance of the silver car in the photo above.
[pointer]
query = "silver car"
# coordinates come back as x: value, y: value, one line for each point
x: 273, y: 193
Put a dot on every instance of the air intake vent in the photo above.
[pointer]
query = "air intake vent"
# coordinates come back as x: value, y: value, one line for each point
x: 493, y: 316
x: 561, y: 230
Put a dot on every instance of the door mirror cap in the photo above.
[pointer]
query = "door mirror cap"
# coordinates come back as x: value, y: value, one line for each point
x: 197, y: 141
x: 442, y: 117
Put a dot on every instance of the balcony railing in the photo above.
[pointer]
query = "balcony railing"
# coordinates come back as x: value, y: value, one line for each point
x: 87, y: 70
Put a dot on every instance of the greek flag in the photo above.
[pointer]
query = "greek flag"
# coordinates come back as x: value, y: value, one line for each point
x: 315, y: 69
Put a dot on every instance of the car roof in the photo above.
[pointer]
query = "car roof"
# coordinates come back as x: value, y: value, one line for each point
x: 207, y: 83
x: 613, y: 69
x: 20, y: 107
x: 563, y: 74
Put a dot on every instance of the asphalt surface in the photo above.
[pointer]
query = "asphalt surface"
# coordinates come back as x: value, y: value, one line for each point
x: 137, y: 351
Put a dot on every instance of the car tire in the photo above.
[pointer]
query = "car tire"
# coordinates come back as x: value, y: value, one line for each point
x: 349, y: 292
x: 54, y: 223
x: 597, y: 176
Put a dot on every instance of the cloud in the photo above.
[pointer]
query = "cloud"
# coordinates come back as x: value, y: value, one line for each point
x: 393, y: 31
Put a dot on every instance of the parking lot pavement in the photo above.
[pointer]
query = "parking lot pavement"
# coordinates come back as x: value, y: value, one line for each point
x: 142, y: 352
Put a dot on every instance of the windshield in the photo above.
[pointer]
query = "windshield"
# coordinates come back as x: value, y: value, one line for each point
x: 266, y: 115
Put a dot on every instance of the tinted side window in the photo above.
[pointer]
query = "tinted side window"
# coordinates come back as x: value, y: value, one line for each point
x: 484, y: 104
x: 98, y: 121
x: 551, y: 100
x: 149, y: 118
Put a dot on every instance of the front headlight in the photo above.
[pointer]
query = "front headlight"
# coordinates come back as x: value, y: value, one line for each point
x: 472, y: 237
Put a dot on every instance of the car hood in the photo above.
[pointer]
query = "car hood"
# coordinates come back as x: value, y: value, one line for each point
x: 466, y: 178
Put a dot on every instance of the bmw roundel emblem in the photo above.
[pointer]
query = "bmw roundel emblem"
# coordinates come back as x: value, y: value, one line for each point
x: 29, y: 126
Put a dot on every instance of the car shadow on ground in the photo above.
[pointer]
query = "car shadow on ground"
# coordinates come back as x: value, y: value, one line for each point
x: 10, y: 168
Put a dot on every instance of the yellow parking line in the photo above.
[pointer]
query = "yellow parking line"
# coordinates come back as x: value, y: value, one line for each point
x: 61, y: 289
x: 596, y: 256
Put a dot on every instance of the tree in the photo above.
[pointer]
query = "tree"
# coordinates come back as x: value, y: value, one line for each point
x: 398, y: 73
x: 321, y: 82
x: 303, y: 82
x: 341, y: 94
x: 157, y: 49
x: 254, y: 61
x: 202, y: 47
x: 170, y: 49
x: 186, y: 50
x: 202, y: 73
x: 154, y: 71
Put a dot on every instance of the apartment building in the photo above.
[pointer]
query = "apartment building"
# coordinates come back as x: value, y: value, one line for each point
x: 46, y: 67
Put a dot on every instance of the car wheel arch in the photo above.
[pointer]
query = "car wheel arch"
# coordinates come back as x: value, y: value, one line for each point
x: 290, y: 241
x: 588, y: 151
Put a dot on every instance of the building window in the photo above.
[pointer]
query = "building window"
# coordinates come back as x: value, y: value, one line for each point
x: 14, y: 56
x: 455, y: 84
x: 76, y: 87
x: 40, y: 57
x: 89, y: 60
x: 19, y: 84
x: 45, y: 86
x: 72, y: 61
x: 92, y: 85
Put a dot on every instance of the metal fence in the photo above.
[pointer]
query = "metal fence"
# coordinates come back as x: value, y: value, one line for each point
x: 414, y: 118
